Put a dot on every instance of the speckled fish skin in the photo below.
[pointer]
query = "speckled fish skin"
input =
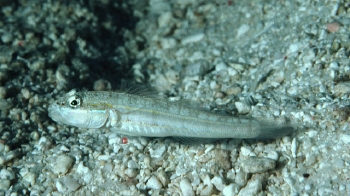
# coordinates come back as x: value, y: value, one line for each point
x: 141, y: 116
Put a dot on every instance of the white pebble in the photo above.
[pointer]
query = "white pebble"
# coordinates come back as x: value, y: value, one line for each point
x: 104, y: 157
x: 294, y: 47
x: 153, y: 183
x: 241, y: 178
x: 168, y: 43
x: 62, y: 164
x: 221, y: 66
x: 242, y: 30
x: 334, y: 65
x: 272, y: 155
x: 208, y: 190
x: 5, y: 184
x: 231, y: 189
x: 253, y: 187
x: 186, y: 187
x: 113, y: 139
x: 345, y: 138
x: 7, y: 174
x: 82, y: 169
x: 242, y: 108
x: 71, y: 183
x: 245, y: 151
x: 131, y: 173
x: 158, y: 152
x: 132, y: 164
x: 257, y: 164
x: 218, y: 182
x: 342, y: 88
x: 164, y: 19
x: 30, y: 178
x: 6, y: 38
x: 193, y: 38
x: 60, y: 187
x: 294, y: 148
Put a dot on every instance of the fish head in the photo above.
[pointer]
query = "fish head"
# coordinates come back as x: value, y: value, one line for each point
x: 71, y: 110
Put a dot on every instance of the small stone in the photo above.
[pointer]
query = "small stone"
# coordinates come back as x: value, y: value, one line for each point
x: 245, y: 151
x: 231, y: 189
x: 153, y: 183
x: 26, y: 93
x: 132, y: 164
x: 30, y: 178
x: 242, y: 108
x: 158, y: 152
x: 62, y: 164
x: 36, y: 65
x: 253, y: 187
x: 162, y: 177
x: 272, y: 155
x: 82, y: 169
x: 197, y: 69
x: 241, y: 178
x: 342, y: 88
x: 7, y: 174
x: 221, y: 66
x: 164, y: 19
x: 5, y: 185
x: 333, y: 27
x: 242, y: 30
x: 208, y: 190
x: 71, y: 183
x: 186, y: 187
x: 218, y: 183
x: 234, y: 90
x: 294, y: 47
x: 60, y: 187
x: 168, y: 43
x: 345, y: 138
x: 193, y: 38
x: 5, y: 105
x: 131, y: 173
x: 102, y: 85
x: 6, y: 38
x: 257, y: 164
x: 334, y: 65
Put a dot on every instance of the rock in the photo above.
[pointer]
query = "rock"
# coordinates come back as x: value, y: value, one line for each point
x: 153, y: 183
x: 345, y: 138
x: 231, y: 189
x: 193, y: 38
x: 29, y: 178
x: 7, y: 174
x: 158, y: 151
x: 71, y: 183
x: 242, y: 108
x: 253, y: 187
x: 198, y: 68
x: 62, y: 164
x: 82, y: 169
x: 218, y: 183
x: 342, y: 88
x: 186, y: 187
x: 5, y: 185
x: 5, y: 105
x: 131, y: 173
x: 257, y: 164
x: 241, y: 178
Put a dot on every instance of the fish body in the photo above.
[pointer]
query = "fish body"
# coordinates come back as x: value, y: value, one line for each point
x: 136, y: 115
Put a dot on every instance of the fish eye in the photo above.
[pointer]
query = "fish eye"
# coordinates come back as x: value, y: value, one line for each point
x: 74, y: 102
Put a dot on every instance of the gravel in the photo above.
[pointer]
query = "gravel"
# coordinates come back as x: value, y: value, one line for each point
x: 279, y: 61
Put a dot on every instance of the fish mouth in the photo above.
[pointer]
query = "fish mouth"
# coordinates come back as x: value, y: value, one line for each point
x: 55, y: 113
